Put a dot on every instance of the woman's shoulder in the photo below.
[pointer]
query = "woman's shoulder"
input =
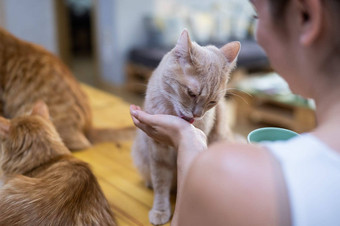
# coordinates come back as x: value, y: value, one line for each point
x: 236, y: 156
x: 237, y: 180
x: 242, y: 166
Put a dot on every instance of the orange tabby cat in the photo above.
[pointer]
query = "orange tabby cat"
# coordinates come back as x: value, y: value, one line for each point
x: 190, y: 82
x: 42, y: 183
x: 29, y: 73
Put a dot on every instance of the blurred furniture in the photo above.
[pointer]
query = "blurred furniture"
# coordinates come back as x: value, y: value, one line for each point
x: 267, y: 99
x: 111, y: 163
x: 266, y: 109
x: 143, y: 60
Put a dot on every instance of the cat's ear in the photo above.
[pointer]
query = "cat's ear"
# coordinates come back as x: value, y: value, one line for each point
x: 231, y: 51
x: 40, y: 108
x: 183, y: 46
x: 4, y: 126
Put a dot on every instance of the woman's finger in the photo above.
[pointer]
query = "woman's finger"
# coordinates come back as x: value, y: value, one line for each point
x: 135, y: 121
x: 147, y: 129
x: 141, y: 119
x: 144, y: 117
x: 134, y: 107
x: 134, y: 113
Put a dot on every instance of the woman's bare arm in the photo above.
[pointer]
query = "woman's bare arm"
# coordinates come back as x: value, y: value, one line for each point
x: 226, y: 184
x: 232, y: 184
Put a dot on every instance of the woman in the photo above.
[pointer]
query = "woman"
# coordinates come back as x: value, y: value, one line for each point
x: 281, y: 183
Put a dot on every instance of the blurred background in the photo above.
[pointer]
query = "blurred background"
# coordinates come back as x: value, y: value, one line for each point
x: 114, y: 45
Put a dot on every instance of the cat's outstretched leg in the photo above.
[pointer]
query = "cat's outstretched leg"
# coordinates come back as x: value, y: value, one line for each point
x: 162, y: 164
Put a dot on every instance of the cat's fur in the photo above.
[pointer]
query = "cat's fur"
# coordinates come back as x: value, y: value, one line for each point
x: 43, y: 184
x: 29, y: 73
x: 190, y: 82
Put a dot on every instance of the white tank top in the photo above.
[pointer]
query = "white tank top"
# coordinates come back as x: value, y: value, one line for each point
x: 312, y: 174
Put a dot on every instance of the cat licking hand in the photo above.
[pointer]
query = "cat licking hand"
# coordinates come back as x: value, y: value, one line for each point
x: 190, y: 82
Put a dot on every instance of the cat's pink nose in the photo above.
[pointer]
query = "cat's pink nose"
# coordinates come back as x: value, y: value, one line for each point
x: 197, y: 112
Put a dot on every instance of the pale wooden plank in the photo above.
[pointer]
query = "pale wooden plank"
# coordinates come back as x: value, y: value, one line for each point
x: 108, y: 162
x: 122, y: 205
x: 99, y: 98
x: 108, y: 110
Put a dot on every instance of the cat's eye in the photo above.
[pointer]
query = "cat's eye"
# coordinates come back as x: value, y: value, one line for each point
x: 212, y: 102
x: 191, y: 94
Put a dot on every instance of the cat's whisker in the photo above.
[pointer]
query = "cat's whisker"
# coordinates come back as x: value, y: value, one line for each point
x: 238, y: 90
x: 223, y: 91
x: 242, y: 98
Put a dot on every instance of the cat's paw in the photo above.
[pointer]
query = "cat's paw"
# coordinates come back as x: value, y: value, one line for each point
x: 158, y: 217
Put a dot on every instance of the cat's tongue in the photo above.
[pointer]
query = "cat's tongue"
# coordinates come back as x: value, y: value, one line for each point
x: 190, y: 120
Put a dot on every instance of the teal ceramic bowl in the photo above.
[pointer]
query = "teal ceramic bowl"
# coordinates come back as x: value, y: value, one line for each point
x: 270, y: 134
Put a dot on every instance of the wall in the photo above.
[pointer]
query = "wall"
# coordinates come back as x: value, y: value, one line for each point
x: 31, y: 20
x: 119, y: 26
x: 2, y: 14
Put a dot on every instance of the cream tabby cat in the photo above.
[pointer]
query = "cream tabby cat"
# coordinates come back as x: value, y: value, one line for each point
x: 190, y: 82
x: 41, y: 183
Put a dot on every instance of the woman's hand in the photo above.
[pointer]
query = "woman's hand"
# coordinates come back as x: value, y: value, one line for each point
x: 166, y: 129
x: 171, y: 130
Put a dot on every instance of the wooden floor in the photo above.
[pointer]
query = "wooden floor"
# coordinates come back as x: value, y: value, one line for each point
x: 129, y: 199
